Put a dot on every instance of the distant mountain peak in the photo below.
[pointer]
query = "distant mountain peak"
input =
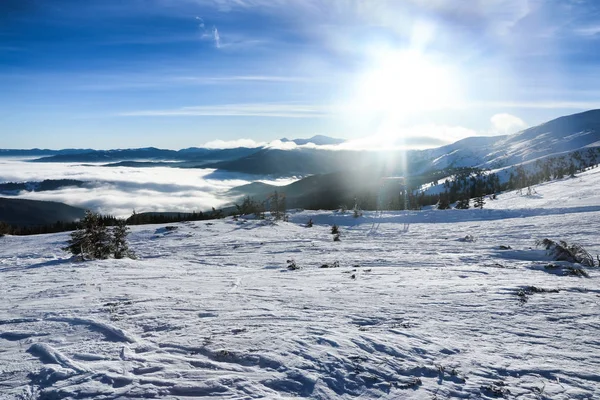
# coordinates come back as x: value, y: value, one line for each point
x: 319, y: 140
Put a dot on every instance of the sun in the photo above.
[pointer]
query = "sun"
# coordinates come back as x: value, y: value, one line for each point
x: 404, y: 82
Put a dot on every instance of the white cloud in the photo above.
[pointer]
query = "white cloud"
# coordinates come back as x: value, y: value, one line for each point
x: 232, y: 144
x: 120, y: 190
x: 237, y: 110
x: 216, y: 37
x: 237, y: 78
x: 591, y: 30
x: 279, y: 145
x: 575, y: 105
x: 415, y: 137
x: 505, y: 123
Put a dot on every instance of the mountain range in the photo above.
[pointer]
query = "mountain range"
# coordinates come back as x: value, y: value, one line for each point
x: 344, y: 174
x: 561, y: 135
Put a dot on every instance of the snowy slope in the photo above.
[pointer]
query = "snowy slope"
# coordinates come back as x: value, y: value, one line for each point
x: 559, y: 136
x: 412, y: 312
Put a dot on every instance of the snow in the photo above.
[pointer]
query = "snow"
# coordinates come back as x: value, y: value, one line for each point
x: 423, y: 305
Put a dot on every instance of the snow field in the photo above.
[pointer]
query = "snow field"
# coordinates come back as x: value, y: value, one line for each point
x: 210, y: 309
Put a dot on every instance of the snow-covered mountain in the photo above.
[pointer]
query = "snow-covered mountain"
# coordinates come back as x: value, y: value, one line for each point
x: 559, y: 136
x: 408, y: 305
x: 319, y: 140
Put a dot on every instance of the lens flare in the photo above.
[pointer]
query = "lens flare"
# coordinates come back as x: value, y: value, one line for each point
x: 404, y: 82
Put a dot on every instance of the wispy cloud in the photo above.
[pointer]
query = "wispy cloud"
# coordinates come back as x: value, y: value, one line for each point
x: 200, y: 22
x: 99, y: 82
x: 541, y: 104
x: 238, y: 110
x: 505, y: 123
x: 213, y: 35
x: 232, y: 144
x: 216, y: 37
x: 592, y: 30
x: 240, y: 78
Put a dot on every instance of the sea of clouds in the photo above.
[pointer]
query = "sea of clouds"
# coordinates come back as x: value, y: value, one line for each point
x: 120, y: 190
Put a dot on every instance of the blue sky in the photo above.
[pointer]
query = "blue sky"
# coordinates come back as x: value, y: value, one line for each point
x: 174, y: 74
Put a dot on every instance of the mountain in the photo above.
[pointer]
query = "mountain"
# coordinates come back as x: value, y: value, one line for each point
x: 303, y: 161
x: 13, y: 188
x: 319, y: 140
x: 347, y: 176
x: 561, y: 135
x: 39, y: 152
x: 190, y: 157
x: 21, y: 212
x: 112, y: 155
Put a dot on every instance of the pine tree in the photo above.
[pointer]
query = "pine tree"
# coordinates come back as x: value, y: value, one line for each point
x: 120, y: 247
x: 478, y: 202
x: 278, y: 206
x: 443, y: 202
x: 462, y: 203
x: 5, y: 229
x: 91, y: 240
x: 248, y: 206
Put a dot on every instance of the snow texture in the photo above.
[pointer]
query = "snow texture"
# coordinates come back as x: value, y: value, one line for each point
x: 411, y: 310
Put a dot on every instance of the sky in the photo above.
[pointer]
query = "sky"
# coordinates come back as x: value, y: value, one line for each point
x: 175, y: 74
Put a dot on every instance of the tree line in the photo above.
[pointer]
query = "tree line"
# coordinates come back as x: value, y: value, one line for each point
x: 109, y: 221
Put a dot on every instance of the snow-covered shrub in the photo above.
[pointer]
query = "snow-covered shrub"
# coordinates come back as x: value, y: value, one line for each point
x: 496, y: 389
x: 335, y: 264
x: 292, y: 266
x: 468, y: 238
x: 525, y: 292
x: 563, y: 251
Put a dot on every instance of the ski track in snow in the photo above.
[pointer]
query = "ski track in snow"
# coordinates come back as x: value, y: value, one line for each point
x: 211, y: 310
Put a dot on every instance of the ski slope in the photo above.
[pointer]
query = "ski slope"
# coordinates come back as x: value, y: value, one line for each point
x: 423, y: 305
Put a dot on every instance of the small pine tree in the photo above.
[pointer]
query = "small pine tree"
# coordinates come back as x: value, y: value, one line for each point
x: 92, y: 240
x: 248, y: 206
x: 5, y: 229
x: 462, y: 203
x: 120, y: 247
x: 216, y: 214
x: 278, y: 205
x: 443, y: 202
x: 478, y: 202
